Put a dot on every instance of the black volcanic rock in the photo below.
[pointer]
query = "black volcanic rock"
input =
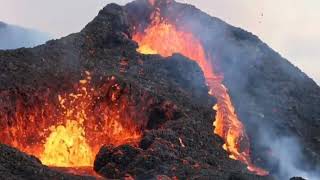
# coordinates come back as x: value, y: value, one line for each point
x: 178, y: 139
x: 111, y: 162
x: 18, y: 166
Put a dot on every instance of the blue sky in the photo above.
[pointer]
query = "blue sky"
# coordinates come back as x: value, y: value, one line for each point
x: 291, y: 27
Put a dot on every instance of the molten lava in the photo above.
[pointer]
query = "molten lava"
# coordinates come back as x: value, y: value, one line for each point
x: 70, y: 133
x: 162, y: 37
x: 67, y: 147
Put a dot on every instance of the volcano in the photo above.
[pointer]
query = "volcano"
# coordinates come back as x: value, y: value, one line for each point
x: 156, y: 89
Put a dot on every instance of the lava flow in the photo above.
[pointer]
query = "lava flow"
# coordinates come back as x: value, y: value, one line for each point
x: 162, y: 37
x: 69, y: 131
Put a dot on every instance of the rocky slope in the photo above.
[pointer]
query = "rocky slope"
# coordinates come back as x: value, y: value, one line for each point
x: 275, y: 100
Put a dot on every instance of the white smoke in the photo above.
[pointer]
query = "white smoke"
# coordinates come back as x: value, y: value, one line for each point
x: 288, y: 153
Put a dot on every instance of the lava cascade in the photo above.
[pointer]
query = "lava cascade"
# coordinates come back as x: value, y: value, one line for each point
x: 70, y: 134
x: 162, y: 37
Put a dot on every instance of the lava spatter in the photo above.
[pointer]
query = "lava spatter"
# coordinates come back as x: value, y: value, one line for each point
x: 71, y: 133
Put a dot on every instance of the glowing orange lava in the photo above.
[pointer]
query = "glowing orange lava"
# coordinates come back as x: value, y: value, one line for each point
x: 71, y: 134
x: 162, y: 37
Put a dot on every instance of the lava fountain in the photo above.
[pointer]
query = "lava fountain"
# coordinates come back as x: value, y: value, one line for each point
x: 68, y: 130
x: 164, y: 38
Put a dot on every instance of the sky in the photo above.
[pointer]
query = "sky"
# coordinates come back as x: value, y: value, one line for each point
x: 291, y: 27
